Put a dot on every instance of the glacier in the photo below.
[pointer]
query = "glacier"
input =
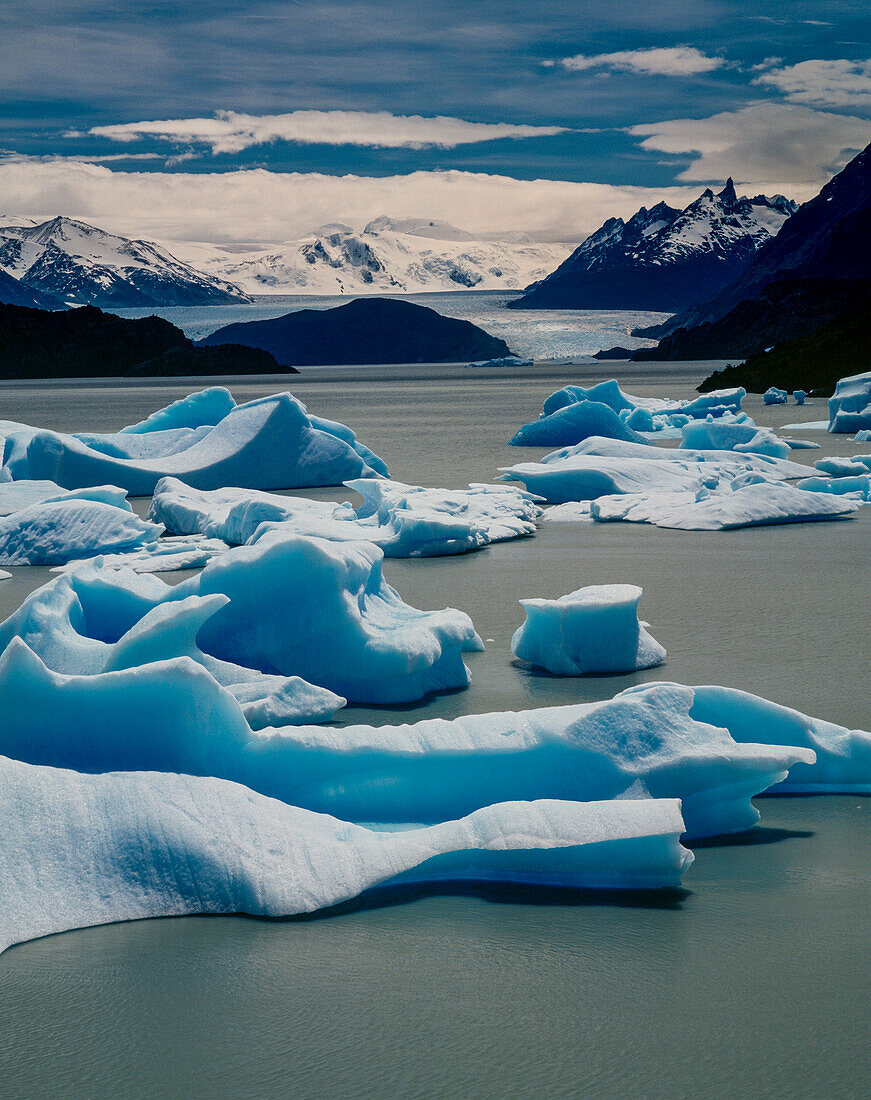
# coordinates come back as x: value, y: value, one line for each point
x: 82, y: 850
x: 403, y: 520
x: 592, y: 630
x: 287, y: 606
x: 850, y: 404
x: 268, y: 443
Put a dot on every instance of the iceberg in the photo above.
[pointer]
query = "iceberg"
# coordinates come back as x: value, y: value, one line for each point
x: 287, y: 606
x: 774, y: 396
x: 593, y: 630
x: 403, y: 520
x: 83, y: 850
x: 850, y: 405
x: 75, y: 525
x: 732, y: 435
x: 859, y: 484
x: 857, y: 466
x: 864, y: 436
x: 646, y: 746
x: 572, y: 424
x: 602, y: 467
x: 573, y: 414
x: 268, y: 443
x: 842, y: 763
x: 800, y: 396
x: 748, y: 504
x: 504, y: 361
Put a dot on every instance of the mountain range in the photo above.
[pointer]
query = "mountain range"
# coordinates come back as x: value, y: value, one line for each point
x: 394, y: 255
x: 663, y: 258
x: 69, y: 262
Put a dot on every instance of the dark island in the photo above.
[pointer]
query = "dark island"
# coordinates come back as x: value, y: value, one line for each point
x: 365, y: 331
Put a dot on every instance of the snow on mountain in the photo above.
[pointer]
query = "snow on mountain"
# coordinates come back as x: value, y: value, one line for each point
x: 663, y: 258
x: 81, y: 265
x: 395, y: 255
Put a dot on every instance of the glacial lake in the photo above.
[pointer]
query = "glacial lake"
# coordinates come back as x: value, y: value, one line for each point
x: 753, y: 982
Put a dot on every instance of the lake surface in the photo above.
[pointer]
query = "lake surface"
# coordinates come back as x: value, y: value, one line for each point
x: 531, y: 333
x: 755, y: 982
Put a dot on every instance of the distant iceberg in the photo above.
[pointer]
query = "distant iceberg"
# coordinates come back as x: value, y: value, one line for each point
x: 205, y: 440
x: 82, y: 850
x: 592, y: 630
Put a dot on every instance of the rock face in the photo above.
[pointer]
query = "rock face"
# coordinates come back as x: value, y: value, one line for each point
x: 365, y: 331
x: 662, y: 258
x: 83, y: 265
x: 15, y: 293
x: 818, y: 267
x: 813, y: 363
x: 88, y: 343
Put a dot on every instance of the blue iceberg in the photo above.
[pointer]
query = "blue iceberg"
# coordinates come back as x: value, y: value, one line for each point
x: 593, y: 630
x: 82, y: 850
x: 850, y: 404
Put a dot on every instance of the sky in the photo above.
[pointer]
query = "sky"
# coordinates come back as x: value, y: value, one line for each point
x: 253, y: 123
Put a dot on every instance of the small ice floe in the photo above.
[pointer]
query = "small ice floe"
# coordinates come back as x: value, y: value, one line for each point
x: 83, y: 850
x: 504, y: 361
x: 404, y: 520
x: 856, y: 465
x: 206, y: 440
x: 774, y: 396
x: 742, y: 436
x: 594, y: 630
x: 850, y: 404
x: 863, y: 437
x: 799, y: 396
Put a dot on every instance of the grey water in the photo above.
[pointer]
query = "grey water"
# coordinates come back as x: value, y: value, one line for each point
x: 755, y: 981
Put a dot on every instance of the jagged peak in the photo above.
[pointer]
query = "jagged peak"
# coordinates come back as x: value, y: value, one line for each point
x: 728, y: 192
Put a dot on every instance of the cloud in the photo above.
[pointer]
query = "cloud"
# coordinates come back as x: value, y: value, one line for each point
x: 231, y: 132
x: 760, y: 143
x: 836, y: 83
x: 668, y: 61
x: 262, y: 207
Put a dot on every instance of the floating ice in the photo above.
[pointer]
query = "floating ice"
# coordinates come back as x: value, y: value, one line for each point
x: 573, y: 414
x: 166, y: 555
x: 505, y: 361
x: 864, y: 436
x: 859, y: 484
x: 601, y: 467
x: 774, y: 396
x: 800, y: 396
x: 592, y: 630
x: 74, y: 525
x: 843, y: 756
x: 404, y: 520
x: 269, y: 443
x: 286, y: 606
x: 644, y: 746
x: 573, y: 424
x: 857, y: 465
x: 850, y: 405
x: 82, y: 850
x: 748, y: 505
x: 742, y: 436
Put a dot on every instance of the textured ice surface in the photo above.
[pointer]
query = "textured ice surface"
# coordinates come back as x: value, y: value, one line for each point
x: 749, y: 505
x: 774, y: 396
x: 843, y: 757
x: 573, y: 414
x: 850, y: 405
x: 857, y: 465
x: 601, y: 467
x: 742, y: 436
x: 164, y: 556
x: 642, y: 746
x: 72, y: 525
x: 592, y: 630
x: 269, y: 443
x: 404, y: 520
x: 860, y: 484
x: 81, y: 850
x: 864, y: 436
x: 286, y: 606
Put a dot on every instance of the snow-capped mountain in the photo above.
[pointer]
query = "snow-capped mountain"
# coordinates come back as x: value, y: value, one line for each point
x: 392, y: 255
x: 662, y: 258
x: 83, y: 265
